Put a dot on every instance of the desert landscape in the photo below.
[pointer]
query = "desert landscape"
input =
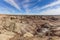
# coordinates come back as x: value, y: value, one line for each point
x: 23, y: 27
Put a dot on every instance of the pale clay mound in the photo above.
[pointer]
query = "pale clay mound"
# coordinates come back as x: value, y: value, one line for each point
x: 29, y: 27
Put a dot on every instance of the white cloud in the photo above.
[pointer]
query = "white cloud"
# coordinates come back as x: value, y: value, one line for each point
x: 48, y: 10
x: 45, y: 12
x: 51, y: 12
x: 13, y: 3
x: 54, y: 11
x: 46, y: 6
x: 25, y: 5
x: 52, y: 4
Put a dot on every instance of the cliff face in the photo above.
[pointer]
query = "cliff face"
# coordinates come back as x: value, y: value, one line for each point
x: 29, y: 27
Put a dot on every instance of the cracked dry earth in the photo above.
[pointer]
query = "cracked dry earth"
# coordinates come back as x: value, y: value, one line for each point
x: 29, y: 27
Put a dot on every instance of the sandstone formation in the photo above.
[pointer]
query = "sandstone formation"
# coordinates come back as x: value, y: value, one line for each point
x: 19, y: 27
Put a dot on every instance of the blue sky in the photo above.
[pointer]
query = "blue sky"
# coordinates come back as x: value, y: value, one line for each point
x: 36, y: 7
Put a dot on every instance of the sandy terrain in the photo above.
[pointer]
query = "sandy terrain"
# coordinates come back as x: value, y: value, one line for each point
x: 29, y: 27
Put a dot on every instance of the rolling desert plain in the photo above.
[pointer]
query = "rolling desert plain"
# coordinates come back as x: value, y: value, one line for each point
x: 20, y: 27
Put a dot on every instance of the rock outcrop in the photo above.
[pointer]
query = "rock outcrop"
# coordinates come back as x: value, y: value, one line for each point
x: 15, y: 27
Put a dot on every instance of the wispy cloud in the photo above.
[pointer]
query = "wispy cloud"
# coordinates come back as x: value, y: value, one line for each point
x: 23, y: 4
x: 7, y: 10
x: 13, y: 3
x: 26, y: 5
x: 52, y: 4
x: 50, y: 10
